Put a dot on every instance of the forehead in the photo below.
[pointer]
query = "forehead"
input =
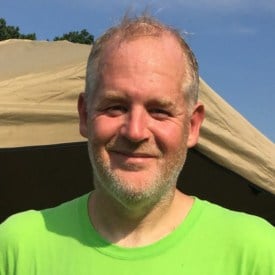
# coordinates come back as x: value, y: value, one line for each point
x: 163, y: 48
x: 143, y: 61
x: 143, y: 68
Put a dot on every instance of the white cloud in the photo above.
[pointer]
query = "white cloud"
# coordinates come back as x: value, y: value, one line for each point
x: 246, y: 30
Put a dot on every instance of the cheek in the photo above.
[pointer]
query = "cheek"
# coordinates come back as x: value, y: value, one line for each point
x: 102, y: 129
x: 170, y: 138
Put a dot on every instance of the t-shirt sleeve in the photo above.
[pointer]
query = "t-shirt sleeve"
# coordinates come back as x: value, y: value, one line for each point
x: 15, y: 235
x: 262, y: 243
x: 7, y: 247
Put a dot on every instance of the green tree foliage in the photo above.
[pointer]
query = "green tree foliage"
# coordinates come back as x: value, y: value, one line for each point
x: 82, y: 37
x: 11, y: 32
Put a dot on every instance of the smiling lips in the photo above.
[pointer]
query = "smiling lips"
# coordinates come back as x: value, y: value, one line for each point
x: 131, y: 161
x: 133, y: 158
x: 137, y: 154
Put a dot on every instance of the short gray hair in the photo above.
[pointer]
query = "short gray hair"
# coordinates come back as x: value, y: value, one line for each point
x: 129, y: 29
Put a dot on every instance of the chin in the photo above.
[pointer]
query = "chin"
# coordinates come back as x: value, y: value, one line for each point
x: 133, y: 189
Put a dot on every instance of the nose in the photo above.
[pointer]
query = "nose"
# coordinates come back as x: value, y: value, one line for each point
x: 135, y: 127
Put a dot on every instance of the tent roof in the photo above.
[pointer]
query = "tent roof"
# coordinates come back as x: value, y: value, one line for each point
x: 40, y: 82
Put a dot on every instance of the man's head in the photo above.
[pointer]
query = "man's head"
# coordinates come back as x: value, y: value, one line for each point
x: 141, y: 115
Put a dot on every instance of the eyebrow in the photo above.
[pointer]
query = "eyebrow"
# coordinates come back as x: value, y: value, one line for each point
x: 162, y: 102
x: 112, y: 95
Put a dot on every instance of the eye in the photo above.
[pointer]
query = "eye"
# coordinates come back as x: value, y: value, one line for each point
x: 115, y: 110
x: 159, y: 113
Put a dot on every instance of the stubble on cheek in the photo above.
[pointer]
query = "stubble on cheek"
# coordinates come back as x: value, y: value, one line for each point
x: 147, y: 186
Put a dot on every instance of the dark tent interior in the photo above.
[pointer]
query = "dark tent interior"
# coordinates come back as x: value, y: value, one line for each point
x: 38, y: 177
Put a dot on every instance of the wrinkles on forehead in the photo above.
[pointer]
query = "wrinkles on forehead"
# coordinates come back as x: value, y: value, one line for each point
x: 166, y: 45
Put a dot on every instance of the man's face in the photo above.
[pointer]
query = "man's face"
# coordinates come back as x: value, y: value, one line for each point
x: 137, y: 125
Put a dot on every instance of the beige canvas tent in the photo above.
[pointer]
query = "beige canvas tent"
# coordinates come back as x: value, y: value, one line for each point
x: 43, y: 158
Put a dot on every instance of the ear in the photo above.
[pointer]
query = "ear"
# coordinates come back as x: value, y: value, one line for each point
x: 195, y: 124
x: 82, y: 112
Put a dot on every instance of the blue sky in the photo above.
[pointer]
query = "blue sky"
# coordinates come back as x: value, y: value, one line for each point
x: 234, y: 40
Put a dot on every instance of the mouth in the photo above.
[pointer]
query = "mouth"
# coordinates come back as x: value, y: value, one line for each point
x: 142, y: 155
x: 129, y: 161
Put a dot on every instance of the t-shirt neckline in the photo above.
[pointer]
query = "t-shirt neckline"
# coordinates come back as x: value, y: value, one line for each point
x: 95, y: 240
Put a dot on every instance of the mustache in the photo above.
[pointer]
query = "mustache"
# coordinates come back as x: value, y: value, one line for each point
x: 125, y: 146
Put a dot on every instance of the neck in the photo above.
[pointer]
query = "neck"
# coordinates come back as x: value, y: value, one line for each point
x: 137, y: 225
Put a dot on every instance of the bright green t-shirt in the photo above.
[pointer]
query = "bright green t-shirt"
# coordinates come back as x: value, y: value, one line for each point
x: 210, y: 241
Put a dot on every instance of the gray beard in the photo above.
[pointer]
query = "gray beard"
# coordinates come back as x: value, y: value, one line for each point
x: 156, y: 190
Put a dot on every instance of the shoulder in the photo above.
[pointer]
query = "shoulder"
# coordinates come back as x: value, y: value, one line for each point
x: 21, y: 223
x: 212, y: 210
x: 237, y: 225
x: 246, y: 241
x: 19, y: 233
x: 34, y: 224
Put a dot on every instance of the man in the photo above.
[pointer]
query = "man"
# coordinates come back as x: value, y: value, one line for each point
x: 140, y: 114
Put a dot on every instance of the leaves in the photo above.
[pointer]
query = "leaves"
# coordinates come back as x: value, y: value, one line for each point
x: 11, y: 32
x: 82, y: 37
